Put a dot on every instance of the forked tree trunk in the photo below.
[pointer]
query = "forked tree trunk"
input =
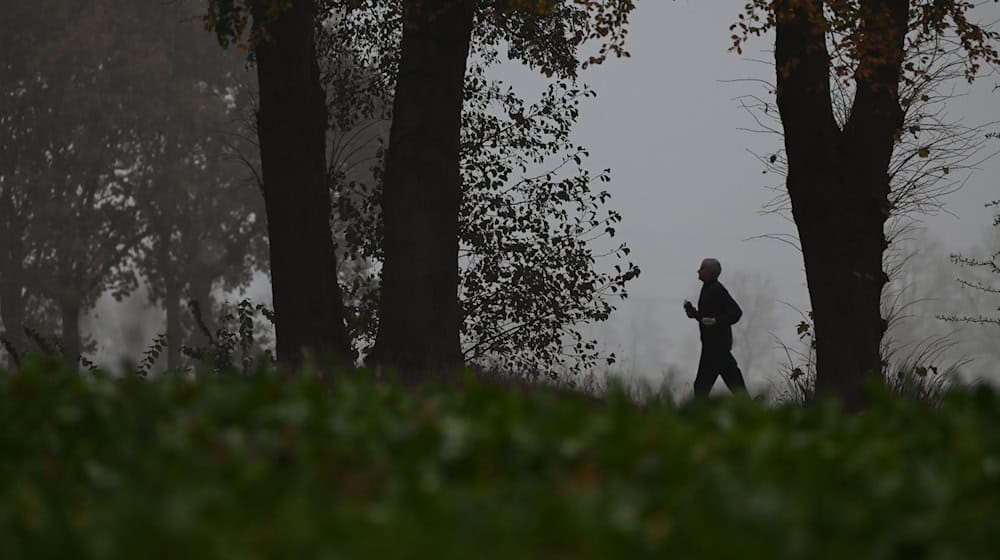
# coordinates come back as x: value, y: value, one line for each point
x: 308, y: 307
x: 419, y: 313
x: 838, y: 184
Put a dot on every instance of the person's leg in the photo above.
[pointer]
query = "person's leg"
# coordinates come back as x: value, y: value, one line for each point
x: 707, y: 373
x: 732, y: 375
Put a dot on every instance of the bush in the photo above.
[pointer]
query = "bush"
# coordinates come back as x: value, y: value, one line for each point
x: 271, y: 465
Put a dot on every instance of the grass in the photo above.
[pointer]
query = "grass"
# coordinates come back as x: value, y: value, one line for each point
x: 269, y: 465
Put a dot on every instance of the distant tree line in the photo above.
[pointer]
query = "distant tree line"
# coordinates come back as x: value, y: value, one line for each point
x: 190, y: 149
x: 113, y: 138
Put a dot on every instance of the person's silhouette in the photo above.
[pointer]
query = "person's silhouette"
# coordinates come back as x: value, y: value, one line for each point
x: 716, y: 313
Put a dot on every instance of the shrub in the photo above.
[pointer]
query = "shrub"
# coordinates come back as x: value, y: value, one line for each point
x: 268, y: 465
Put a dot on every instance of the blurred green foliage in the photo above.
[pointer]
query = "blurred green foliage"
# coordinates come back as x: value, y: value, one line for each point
x: 272, y: 465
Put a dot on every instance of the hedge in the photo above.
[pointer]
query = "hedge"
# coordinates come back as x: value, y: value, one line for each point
x: 270, y: 465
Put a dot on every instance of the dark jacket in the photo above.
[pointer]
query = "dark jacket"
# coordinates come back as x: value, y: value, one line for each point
x: 716, y: 302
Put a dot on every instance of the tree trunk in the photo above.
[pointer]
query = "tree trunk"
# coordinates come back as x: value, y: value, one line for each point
x: 419, y: 321
x: 12, y: 312
x: 69, y: 308
x: 201, y: 292
x: 838, y: 184
x: 292, y: 129
x: 171, y: 296
x: 175, y: 335
x: 12, y: 300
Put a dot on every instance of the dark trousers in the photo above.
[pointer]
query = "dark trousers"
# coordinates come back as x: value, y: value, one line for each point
x: 713, y: 363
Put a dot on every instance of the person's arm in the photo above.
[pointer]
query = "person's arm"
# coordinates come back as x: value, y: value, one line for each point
x: 731, y: 311
x: 701, y: 315
x: 691, y: 311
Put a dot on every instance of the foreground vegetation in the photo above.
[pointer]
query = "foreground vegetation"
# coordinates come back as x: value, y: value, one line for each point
x: 273, y: 466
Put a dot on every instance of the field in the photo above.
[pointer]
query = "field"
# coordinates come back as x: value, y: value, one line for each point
x: 277, y: 466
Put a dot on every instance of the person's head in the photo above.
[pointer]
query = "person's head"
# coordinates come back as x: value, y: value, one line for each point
x: 709, y: 270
